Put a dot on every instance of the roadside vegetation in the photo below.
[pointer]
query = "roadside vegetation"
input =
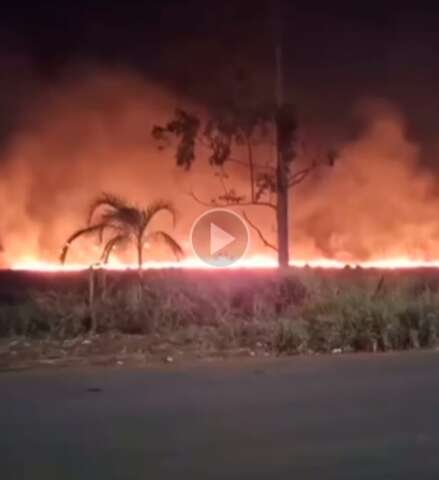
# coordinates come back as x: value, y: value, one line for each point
x: 261, y: 312
x: 126, y: 224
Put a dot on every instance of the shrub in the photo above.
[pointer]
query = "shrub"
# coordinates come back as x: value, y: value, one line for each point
x: 314, y: 311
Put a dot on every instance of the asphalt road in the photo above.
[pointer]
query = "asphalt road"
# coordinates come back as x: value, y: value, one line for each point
x: 328, y: 417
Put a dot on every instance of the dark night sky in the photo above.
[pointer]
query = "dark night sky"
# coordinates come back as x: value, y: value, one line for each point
x: 336, y: 52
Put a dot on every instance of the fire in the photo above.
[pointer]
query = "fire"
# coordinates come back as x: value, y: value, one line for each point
x: 377, y: 208
x: 257, y: 262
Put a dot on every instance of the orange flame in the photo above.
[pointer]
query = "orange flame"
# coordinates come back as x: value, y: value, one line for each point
x: 377, y: 208
x: 257, y: 262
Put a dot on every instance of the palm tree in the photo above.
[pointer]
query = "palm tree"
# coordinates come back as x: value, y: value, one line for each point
x: 126, y: 224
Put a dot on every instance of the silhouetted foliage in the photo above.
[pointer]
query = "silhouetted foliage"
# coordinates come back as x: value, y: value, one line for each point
x: 118, y: 224
x: 231, y: 136
x: 185, y: 127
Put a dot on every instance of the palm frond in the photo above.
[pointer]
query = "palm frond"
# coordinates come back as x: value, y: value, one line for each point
x: 126, y: 223
x: 109, y: 246
x: 114, y: 202
x: 79, y: 233
x: 159, y: 206
x: 123, y: 219
x: 159, y: 235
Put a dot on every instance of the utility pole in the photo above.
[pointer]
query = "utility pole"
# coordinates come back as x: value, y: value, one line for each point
x: 281, y: 165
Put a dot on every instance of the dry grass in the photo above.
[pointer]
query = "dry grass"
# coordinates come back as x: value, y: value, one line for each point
x: 307, y: 311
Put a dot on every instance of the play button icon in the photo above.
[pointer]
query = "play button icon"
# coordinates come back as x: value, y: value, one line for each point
x: 219, y: 237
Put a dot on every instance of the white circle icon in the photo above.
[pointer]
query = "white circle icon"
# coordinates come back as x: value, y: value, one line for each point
x: 219, y: 237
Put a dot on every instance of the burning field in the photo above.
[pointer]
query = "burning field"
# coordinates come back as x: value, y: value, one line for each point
x: 192, y: 182
x: 90, y: 133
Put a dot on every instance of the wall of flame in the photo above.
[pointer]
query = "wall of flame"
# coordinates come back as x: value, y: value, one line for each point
x: 91, y: 133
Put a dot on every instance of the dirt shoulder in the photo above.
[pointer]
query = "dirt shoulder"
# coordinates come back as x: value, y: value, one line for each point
x: 112, y: 349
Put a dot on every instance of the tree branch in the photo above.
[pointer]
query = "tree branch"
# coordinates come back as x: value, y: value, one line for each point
x: 300, y: 175
x: 255, y: 165
x: 215, y: 203
x: 222, y: 181
x: 259, y: 232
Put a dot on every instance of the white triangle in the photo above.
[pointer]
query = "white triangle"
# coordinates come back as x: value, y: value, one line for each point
x: 219, y: 239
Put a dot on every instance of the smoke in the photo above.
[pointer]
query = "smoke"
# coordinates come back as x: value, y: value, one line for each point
x: 378, y: 202
x: 91, y: 133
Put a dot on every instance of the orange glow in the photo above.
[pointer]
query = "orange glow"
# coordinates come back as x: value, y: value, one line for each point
x: 254, y: 262
x: 377, y: 207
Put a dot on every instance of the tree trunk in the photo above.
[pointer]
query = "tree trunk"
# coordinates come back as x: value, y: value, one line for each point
x: 139, y: 255
x: 282, y: 214
x: 103, y: 282
x: 91, y: 299
x: 139, y: 247
x: 281, y: 167
x: 281, y: 182
x: 140, y: 262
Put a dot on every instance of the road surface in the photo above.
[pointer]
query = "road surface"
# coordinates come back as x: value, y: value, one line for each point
x: 327, y: 417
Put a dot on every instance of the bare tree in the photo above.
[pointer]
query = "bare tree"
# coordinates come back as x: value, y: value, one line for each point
x: 118, y: 224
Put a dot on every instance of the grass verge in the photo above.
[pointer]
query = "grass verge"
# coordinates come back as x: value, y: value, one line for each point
x: 303, y: 312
